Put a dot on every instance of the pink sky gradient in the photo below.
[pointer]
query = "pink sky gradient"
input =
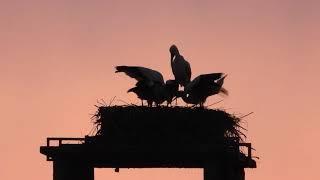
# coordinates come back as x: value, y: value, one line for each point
x: 57, y: 59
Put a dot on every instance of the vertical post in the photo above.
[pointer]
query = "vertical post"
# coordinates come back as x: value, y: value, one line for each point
x: 223, y: 170
x: 72, y: 170
x: 212, y: 172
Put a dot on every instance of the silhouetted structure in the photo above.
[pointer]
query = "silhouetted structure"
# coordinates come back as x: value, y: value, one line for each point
x: 144, y: 137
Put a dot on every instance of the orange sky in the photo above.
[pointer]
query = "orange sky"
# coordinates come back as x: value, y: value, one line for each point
x: 57, y: 59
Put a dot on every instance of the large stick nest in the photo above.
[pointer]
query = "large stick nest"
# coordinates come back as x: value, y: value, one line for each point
x: 166, y: 125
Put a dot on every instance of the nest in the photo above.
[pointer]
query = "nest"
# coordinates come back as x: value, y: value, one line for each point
x: 166, y: 125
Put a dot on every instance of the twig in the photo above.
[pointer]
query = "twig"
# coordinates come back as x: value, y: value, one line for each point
x: 256, y: 157
x: 112, y: 100
x: 128, y: 104
x: 92, y: 130
x: 246, y: 115
x: 215, y: 103
x: 99, y: 103
x: 103, y: 101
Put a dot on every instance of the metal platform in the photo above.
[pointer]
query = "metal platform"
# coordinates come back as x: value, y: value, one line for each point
x: 69, y: 153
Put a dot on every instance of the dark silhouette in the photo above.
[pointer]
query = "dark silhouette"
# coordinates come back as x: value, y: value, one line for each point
x: 162, y: 125
x: 172, y: 88
x: 143, y: 91
x: 180, y: 67
x: 141, y: 74
x: 150, y: 85
x: 148, y: 137
x: 203, y: 86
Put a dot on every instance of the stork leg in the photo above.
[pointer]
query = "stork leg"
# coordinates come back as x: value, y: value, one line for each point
x: 157, y: 104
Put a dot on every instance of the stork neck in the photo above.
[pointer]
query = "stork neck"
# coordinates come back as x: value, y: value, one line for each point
x: 173, y: 57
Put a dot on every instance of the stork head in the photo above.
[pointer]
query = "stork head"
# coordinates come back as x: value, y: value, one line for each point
x: 173, y: 51
x: 219, y: 88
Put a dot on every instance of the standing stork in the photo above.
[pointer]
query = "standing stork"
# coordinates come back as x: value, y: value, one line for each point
x: 180, y: 67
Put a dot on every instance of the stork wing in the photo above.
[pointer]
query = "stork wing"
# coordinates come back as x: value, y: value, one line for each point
x: 221, y: 80
x: 193, y: 84
x: 210, y: 78
x: 152, y: 75
x: 141, y: 73
x: 202, y: 80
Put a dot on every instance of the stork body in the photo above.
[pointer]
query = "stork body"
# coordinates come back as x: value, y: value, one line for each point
x: 203, y: 86
x: 143, y: 92
x: 180, y: 67
x: 150, y: 85
x: 171, y: 90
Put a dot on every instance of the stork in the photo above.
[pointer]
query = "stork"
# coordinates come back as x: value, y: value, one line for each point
x: 150, y: 85
x: 180, y: 67
x: 203, y: 86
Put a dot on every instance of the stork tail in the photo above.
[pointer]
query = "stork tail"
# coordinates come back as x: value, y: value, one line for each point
x: 224, y: 91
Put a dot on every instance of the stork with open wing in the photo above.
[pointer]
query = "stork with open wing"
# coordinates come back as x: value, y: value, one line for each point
x: 150, y: 85
x: 203, y: 86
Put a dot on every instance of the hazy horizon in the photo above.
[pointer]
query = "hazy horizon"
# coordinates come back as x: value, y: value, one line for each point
x: 57, y: 59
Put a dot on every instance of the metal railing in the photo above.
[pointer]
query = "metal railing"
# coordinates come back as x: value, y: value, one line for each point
x: 62, y: 140
x: 249, y: 148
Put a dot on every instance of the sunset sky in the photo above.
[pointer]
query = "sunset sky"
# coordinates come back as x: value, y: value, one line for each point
x: 57, y: 59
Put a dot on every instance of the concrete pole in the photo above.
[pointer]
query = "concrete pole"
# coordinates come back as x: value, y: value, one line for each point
x: 212, y: 172
x: 70, y: 170
x: 223, y: 172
